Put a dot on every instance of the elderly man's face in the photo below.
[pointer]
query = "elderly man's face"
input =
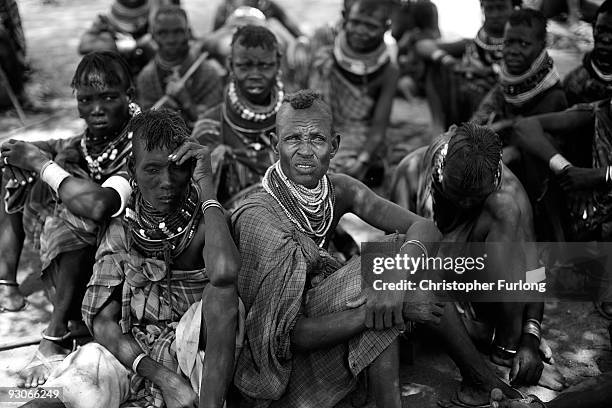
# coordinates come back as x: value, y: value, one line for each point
x: 496, y: 13
x: 171, y: 34
x: 305, y: 144
x: 602, y: 33
x: 521, y: 48
x: 161, y: 182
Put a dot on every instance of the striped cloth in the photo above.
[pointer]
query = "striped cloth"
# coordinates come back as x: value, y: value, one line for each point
x: 150, y: 310
x: 284, y: 275
x: 53, y: 228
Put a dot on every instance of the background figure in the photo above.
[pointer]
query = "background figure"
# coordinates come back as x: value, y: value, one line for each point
x: 12, y: 51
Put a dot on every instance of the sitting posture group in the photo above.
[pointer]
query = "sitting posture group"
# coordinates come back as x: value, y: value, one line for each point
x: 194, y: 236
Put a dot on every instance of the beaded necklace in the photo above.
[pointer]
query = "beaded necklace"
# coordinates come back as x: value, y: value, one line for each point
x: 111, y: 158
x: 246, y: 112
x: 311, y: 210
x: 153, y: 233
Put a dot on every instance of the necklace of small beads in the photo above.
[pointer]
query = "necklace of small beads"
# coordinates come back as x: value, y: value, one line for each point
x: 246, y: 113
x: 103, y: 162
x: 152, y: 231
x: 311, y: 210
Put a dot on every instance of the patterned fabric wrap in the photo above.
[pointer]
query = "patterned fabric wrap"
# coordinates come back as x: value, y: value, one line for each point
x: 284, y: 275
x: 204, y: 86
x: 352, y: 108
x: 44, y: 216
x: 583, y: 85
x: 541, y: 76
x: 146, y: 302
x: 239, y: 170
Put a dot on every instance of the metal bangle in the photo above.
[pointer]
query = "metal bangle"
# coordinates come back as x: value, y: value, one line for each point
x: 137, y: 361
x: 211, y: 203
x: 418, y: 243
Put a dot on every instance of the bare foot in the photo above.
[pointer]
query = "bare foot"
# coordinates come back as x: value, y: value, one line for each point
x: 49, y: 354
x: 552, y: 378
x: 11, y: 299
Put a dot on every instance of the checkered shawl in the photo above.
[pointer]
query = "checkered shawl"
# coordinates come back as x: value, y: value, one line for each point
x: 284, y: 275
x: 150, y: 310
x: 351, y: 106
x: 44, y: 215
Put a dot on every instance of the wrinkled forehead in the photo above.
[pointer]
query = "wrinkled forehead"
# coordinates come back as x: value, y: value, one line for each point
x: 308, y: 120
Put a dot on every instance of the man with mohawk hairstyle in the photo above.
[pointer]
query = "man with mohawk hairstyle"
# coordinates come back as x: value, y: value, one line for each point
x: 312, y: 326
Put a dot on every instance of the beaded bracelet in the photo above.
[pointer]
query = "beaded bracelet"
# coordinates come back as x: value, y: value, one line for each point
x: 211, y: 203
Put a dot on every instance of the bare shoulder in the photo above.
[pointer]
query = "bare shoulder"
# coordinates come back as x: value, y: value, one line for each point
x: 350, y: 192
x: 509, y: 204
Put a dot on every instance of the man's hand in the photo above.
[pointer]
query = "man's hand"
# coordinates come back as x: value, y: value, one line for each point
x: 527, y: 364
x: 419, y: 308
x: 383, y: 308
x: 578, y: 178
x: 178, y: 393
x: 194, y: 151
x: 24, y: 155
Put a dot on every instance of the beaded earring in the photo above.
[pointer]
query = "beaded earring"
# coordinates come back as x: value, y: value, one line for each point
x: 134, y: 109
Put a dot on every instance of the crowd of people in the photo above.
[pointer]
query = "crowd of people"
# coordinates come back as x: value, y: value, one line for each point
x: 192, y: 231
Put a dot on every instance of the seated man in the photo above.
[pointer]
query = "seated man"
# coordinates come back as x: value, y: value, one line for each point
x: 583, y: 134
x: 65, y: 205
x: 161, y: 304
x: 12, y: 51
x: 529, y: 82
x: 201, y: 91
x: 592, y: 81
x: 461, y: 73
x: 125, y: 30
x: 238, y: 130
x: 473, y: 197
x: 358, y: 78
x: 309, y: 326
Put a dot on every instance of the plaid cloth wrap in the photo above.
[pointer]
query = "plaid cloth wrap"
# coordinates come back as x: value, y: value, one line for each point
x: 53, y: 228
x: 146, y: 302
x: 352, y: 107
x: 236, y: 171
x: 284, y: 275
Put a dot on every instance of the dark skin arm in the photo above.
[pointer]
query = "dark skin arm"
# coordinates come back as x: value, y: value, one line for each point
x: 220, y: 298
x: 82, y: 197
x: 177, y: 392
x: 384, y: 308
x: 529, y: 135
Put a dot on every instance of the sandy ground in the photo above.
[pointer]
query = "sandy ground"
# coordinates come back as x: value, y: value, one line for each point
x: 577, y: 334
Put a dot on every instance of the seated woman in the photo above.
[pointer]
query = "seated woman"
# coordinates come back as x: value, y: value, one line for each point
x: 238, y: 130
x: 125, y: 30
x: 82, y: 183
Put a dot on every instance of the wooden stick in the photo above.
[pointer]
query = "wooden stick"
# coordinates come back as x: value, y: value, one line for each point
x: 192, y: 69
x: 4, y: 81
